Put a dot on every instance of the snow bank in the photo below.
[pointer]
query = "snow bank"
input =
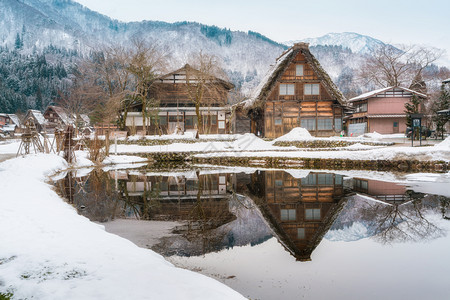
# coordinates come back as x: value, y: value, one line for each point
x: 250, y: 142
x: 374, y: 135
x: 296, y: 134
x: 48, y: 251
x: 445, y: 144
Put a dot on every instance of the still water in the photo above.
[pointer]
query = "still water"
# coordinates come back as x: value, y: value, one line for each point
x: 282, y: 234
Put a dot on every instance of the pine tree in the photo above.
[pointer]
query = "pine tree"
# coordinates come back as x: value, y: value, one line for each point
x: 18, y: 43
x: 442, y: 103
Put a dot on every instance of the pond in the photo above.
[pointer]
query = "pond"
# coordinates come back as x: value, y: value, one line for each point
x: 282, y: 234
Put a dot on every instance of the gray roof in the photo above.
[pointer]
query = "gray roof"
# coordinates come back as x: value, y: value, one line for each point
x: 15, y: 119
x: 382, y: 90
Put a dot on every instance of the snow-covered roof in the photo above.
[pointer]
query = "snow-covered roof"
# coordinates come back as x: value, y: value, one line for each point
x: 37, y: 115
x: 276, y: 71
x: 15, y: 119
x: 85, y: 119
x: 388, y: 116
x: 65, y: 118
x: 446, y: 80
x: 382, y: 90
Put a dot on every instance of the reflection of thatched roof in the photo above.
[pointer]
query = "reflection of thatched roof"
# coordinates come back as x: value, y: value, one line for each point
x: 288, y: 241
x: 263, y: 90
x: 179, y: 76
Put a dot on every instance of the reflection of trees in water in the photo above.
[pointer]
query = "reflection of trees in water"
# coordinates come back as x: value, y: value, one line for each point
x: 92, y: 195
x: 409, y: 221
x: 445, y: 205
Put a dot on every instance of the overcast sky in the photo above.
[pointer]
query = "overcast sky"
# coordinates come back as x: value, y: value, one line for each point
x: 393, y: 21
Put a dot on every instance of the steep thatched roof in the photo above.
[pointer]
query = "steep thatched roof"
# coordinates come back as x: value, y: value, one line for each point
x: 288, y: 242
x: 65, y: 118
x: 263, y: 90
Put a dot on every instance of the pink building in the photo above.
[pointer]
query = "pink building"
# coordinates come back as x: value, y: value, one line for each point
x: 381, y: 110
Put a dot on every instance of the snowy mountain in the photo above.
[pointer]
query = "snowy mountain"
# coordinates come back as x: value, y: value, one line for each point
x: 357, y: 43
x: 64, y: 23
x: 33, y: 25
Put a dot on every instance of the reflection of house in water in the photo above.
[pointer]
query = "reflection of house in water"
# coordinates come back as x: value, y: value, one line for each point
x: 389, y: 192
x: 186, y: 197
x: 300, y: 211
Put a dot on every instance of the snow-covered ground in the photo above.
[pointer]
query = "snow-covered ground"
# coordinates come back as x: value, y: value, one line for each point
x: 248, y: 145
x: 48, y: 251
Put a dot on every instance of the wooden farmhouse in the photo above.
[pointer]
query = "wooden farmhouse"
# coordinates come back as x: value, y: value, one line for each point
x: 56, y: 118
x: 381, y: 110
x: 296, y: 92
x: 37, y: 118
x: 176, y: 109
x: 9, y: 124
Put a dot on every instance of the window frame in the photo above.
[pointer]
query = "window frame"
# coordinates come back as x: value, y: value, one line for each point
x: 302, y: 70
x: 285, y: 91
x: 308, y: 89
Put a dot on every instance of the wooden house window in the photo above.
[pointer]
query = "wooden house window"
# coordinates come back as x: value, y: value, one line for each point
x: 211, y: 120
x: 191, y: 120
x: 325, y: 179
x: 299, y: 70
x: 287, y: 89
x: 278, y: 121
x: 163, y: 120
x: 325, y: 124
x: 312, y: 89
x: 309, y: 180
x: 300, y: 233
x: 361, y: 107
x: 312, y: 214
x: 288, y: 214
x: 337, y: 179
x: 173, y: 119
x: 337, y: 124
x: 309, y: 124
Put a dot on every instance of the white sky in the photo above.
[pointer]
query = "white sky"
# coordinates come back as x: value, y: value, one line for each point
x: 392, y: 21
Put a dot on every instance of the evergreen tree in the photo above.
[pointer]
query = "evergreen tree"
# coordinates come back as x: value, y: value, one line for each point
x: 18, y: 44
x: 412, y: 107
x: 442, y: 103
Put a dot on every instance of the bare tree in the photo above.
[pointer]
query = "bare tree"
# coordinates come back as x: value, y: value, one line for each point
x: 398, y: 66
x: 203, y: 83
x: 401, y: 222
x: 146, y: 63
x: 82, y: 97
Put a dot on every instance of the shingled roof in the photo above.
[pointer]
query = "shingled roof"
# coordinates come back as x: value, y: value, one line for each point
x: 263, y: 90
x: 179, y: 76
